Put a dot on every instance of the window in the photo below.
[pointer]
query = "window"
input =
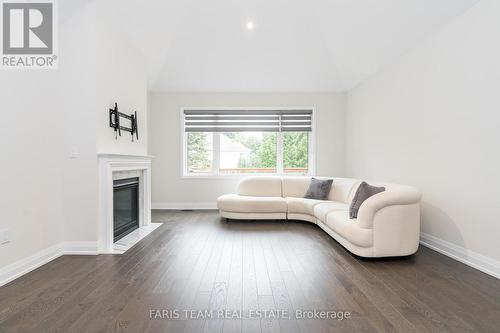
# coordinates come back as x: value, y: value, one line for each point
x: 247, y: 152
x: 228, y: 142
x: 296, y: 152
x: 199, y: 153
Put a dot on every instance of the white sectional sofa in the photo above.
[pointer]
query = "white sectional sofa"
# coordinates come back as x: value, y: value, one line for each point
x: 388, y: 223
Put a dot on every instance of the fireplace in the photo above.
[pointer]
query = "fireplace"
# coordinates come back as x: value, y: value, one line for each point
x: 117, y: 167
x: 125, y: 207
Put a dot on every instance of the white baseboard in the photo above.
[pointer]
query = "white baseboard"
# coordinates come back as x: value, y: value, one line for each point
x: 473, y: 259
x: 26, y: 265
x: 80, y: 248
x: 183, y: 205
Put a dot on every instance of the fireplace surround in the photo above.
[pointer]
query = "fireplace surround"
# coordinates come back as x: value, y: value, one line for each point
x: 114, y: 167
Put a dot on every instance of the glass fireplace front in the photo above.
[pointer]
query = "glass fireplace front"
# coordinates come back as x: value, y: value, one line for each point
x: 125, y: 207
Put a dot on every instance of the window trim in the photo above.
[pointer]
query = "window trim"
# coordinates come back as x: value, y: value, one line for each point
x: 215, y: 163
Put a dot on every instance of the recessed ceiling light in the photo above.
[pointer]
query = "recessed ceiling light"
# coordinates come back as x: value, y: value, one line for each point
x: 250, y: 25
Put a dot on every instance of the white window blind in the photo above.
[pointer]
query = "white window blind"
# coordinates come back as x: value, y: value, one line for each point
x: 248, y: 120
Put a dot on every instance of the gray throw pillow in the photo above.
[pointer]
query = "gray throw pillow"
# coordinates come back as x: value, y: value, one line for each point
x: 319, y: 189
x: 364, y: 192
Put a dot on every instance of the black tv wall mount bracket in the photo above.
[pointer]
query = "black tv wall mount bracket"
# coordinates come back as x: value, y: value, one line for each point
x: 114, y: 122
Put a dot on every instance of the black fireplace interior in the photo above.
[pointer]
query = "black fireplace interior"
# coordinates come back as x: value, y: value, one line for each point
x: 125, y: 207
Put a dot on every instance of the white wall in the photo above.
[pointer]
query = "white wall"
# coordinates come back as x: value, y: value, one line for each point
x: 31, y: 163
x: 46, y: 115
x: 170, y: 190
x: 431, y: 120
x: 77, y: 99
x: 47, y: 197
x: 121, y: 78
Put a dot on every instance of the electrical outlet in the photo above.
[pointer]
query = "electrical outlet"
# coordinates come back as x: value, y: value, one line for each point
x: 4, y: 236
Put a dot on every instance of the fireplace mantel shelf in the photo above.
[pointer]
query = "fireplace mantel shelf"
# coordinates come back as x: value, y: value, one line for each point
x: 124, y: 156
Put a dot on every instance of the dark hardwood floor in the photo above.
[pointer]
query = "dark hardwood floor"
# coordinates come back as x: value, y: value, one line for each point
x: 195, y: 261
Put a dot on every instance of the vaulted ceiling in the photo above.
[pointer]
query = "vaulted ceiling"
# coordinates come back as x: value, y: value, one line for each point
x: 296, y: 45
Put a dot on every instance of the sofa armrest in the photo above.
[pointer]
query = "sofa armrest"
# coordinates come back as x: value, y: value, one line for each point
x: 401, y: 195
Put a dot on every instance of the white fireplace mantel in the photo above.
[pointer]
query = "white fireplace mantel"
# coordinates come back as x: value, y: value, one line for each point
x: 113, y: 164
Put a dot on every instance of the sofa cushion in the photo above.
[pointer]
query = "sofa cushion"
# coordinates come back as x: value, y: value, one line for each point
x: 339, y: 222
x: 249, y: 204
x: 295, y: 186
x: 364, y: 192
x: 319, y: 189
x: 322, y: 209
x: 266, y: 186
x: 301, y: 205
x: 343, y: 190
